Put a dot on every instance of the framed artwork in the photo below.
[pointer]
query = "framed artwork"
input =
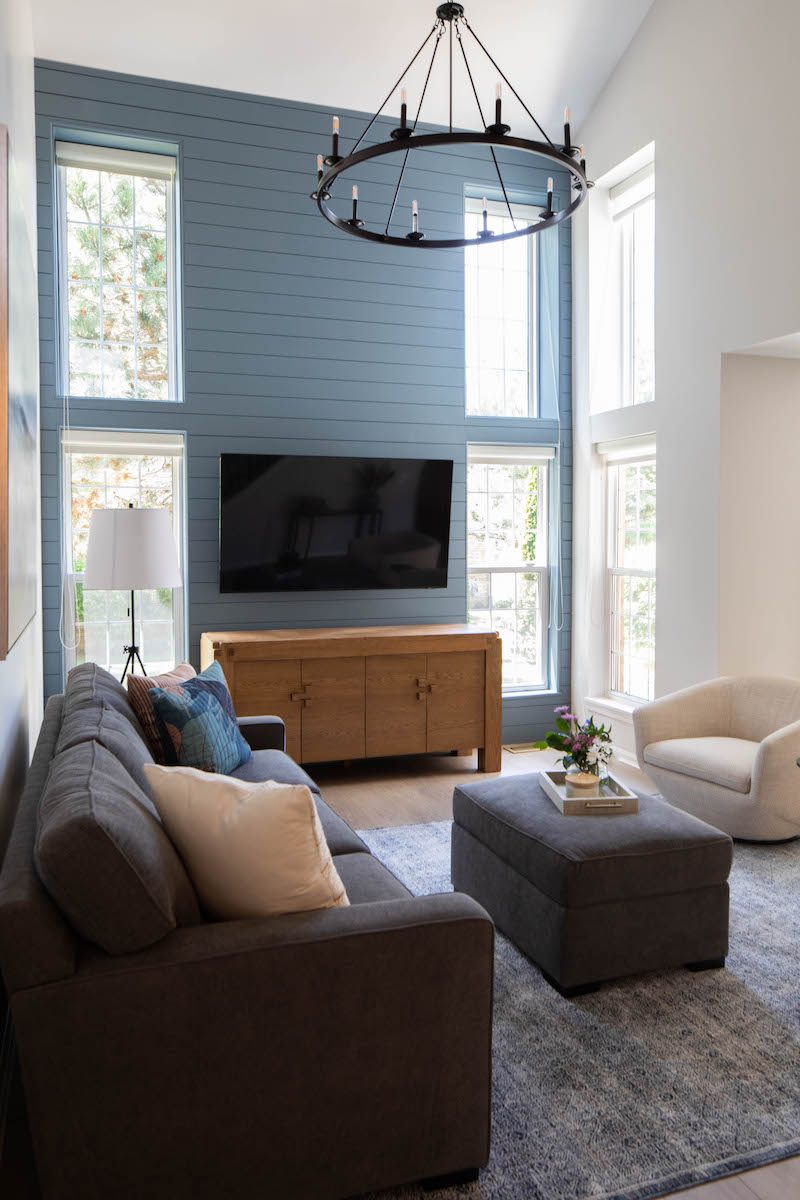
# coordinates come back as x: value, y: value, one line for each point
x: 19, y: 466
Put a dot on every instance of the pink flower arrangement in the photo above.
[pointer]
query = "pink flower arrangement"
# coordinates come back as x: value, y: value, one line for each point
x: 586, y: 746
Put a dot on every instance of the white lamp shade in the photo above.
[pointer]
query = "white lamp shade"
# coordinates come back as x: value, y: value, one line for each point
x: 131, y: 549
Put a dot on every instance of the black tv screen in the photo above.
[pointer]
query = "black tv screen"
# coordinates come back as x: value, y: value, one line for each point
x: 294, y: 523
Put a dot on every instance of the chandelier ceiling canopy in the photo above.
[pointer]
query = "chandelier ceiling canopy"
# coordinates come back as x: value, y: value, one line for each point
x: 449, y: 28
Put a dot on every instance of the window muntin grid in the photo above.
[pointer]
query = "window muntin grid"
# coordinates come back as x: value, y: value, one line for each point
x: 631, y: 578
x: 114, y: 479
x: 507, y: 571
x: 500, y: 314
x: 117, y: 275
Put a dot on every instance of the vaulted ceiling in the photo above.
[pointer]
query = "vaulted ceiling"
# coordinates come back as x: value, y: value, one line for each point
x: 348, y: 53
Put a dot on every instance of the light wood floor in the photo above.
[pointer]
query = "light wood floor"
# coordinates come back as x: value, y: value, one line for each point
x: 405, y: 791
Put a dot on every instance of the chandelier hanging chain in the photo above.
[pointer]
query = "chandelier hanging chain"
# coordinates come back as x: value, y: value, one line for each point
x: 389, y: 94
x: 506, y: 80
x: 413, y: 127
x: 403, y: 139
x: 483, y: 122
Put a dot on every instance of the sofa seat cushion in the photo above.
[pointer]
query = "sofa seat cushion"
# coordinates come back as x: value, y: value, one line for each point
x: 88, y: 685
x: 338, y: 834
x: 103, y: 856
x: 98, y: 723
x: 581, y: 861
x: 725, y: 761
x: 367, y: 880
x: 273, y: 764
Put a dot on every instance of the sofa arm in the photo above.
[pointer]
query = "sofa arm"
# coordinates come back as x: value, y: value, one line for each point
x: 322, y: 1054
x: 699, y: 711
x: 776, y: 783
x: 263, y: 733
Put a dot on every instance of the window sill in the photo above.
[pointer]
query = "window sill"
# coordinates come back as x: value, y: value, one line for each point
x: 622, y: 708
x: 532, y: 693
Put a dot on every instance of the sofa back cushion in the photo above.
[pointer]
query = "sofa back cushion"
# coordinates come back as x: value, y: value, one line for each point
x: 89, y: 685
x: 763, y: 704
x: 99, y: 723
x: 139, y: 688
x: 103, y: 856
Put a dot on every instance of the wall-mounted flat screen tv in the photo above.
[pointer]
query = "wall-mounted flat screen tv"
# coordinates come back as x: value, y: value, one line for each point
x: 293, y: 523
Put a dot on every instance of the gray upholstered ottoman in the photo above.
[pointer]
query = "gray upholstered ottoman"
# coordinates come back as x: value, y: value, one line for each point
x: 593, y: 898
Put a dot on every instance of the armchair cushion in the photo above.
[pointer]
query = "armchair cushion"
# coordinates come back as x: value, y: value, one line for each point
x: 722, y: 760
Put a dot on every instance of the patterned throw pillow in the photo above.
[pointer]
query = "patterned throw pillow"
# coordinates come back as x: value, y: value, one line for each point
x: 139, y: 689
x: 198, y: 725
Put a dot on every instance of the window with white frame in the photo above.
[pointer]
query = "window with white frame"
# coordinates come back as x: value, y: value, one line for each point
x: 632, y: 206
x: 507, y: 556
x: 117, y: 273
x: 500, y: 309
x: 632, y: 575
x: 112, y: 469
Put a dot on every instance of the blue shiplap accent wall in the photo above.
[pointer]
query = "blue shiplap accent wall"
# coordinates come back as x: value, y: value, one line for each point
x: 297, y: 338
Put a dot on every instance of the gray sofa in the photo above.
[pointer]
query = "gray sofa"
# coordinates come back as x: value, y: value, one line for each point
x: 322, y: 1054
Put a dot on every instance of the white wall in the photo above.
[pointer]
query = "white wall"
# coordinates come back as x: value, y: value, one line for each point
x: 760, y: 516
x: 715, y: 86
x: 21, y: 673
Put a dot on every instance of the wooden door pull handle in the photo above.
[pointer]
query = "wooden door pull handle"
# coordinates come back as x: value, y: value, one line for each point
x: 298, y: 695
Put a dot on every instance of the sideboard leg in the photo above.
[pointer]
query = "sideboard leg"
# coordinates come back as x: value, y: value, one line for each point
x: 490, y: 754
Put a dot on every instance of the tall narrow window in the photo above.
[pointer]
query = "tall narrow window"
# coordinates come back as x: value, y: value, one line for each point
x: 632, y: 205
x: 112, y: 469
x: 507, y: 556
x: 632, y: 577
x: 500, y: 308
x: 117, y: 273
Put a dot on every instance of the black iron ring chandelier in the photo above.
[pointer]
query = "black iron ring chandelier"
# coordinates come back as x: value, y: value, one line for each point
x: 450, y: 20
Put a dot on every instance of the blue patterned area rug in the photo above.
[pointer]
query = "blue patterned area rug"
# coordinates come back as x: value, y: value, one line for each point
x: 648, y: 1085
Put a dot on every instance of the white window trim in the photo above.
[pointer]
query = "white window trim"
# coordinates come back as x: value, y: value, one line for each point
x: 133, y: 162
x: 118, y: 441
x: 625, y: 452
x: 508, y: 455
x: 527, y: 213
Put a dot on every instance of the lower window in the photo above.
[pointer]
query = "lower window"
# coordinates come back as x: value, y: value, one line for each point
x: 112, y: 469
x: 507, y: 557
x: 632, y: 578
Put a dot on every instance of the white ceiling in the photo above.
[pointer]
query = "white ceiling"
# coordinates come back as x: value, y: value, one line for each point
x: 780, y: 347
x: 349, y: 52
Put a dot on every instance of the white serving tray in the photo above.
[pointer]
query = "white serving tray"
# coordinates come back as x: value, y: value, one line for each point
x: 608, y: 797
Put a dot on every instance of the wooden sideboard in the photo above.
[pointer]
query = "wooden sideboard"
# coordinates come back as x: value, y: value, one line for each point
x: 369, y: 692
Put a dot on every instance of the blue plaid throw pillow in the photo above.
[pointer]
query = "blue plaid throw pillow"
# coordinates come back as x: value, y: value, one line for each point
x: 198, y: 725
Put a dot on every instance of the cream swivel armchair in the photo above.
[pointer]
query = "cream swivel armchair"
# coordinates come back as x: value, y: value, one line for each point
x: 727, y: 751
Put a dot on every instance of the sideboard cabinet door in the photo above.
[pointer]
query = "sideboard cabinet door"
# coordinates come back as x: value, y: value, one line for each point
x: 455, y: 700
x: 396, y: 704
x: 333, y: 709
x: 263, y: 687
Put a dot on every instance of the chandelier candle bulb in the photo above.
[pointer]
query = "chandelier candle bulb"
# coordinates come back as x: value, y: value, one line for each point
x: 498, y: 105
x: 582, y: 153
x: 567, y: 130
x: 319, y: 167
x: 335, y: 148
x: 485, y: 215
x: 355, y: 202
x: 403, y: 109
x: 414, y: 217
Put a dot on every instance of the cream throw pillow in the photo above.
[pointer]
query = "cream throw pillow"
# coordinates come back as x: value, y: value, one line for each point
x: 251, y: 849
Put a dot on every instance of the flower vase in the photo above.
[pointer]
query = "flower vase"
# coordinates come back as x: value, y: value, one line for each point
x: 578, y: 778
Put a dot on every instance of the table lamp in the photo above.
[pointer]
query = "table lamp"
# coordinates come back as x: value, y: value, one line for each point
x: 131, y: 549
